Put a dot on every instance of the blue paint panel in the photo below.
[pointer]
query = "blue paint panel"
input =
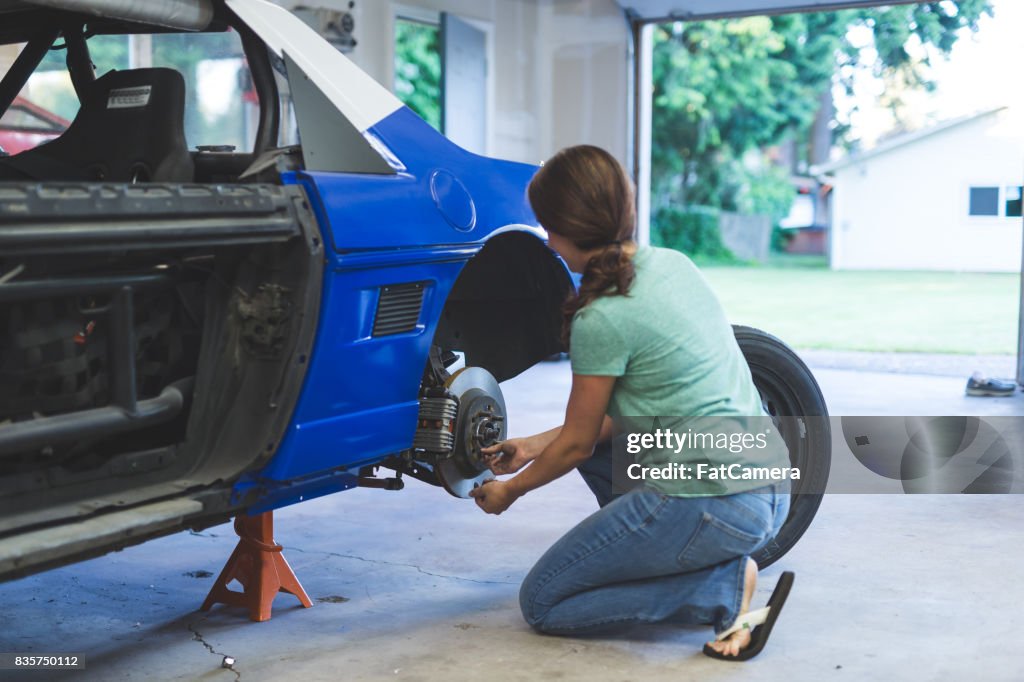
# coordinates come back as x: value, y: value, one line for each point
x: 358, y: 403
x: 281, y: 496
x: 389, y: 211
x: 359, y: 399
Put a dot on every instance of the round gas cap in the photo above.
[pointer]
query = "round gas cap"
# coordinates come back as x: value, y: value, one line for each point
x: 453, y: 200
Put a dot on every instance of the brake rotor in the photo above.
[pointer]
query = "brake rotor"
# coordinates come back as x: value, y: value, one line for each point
x: 480, y: 423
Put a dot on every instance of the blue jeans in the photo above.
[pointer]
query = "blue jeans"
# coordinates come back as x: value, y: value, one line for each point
x: 647, y: 557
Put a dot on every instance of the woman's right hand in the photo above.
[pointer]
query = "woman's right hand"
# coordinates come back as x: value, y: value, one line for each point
x: 509, y: 456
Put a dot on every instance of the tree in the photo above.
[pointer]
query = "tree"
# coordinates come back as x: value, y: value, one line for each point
x: 418, y: 69
x: 726, y: 89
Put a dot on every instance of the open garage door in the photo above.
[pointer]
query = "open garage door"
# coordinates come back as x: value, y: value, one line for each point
x: 644, y: 13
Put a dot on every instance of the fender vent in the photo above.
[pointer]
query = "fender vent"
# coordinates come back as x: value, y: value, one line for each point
x: 398, y: 308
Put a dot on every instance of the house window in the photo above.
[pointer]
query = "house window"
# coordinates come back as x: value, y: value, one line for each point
x: 984, y: 201
x: 1013, y: 201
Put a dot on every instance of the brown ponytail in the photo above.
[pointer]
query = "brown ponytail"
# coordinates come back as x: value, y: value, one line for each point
x: 584, y: 195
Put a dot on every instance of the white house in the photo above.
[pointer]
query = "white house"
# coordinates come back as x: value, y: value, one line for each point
x: 943, y: 198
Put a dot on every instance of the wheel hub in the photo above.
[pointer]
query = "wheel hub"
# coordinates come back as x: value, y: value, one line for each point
x: 480, y: 422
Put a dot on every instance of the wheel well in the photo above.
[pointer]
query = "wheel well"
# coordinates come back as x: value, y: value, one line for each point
x: 504, y: 311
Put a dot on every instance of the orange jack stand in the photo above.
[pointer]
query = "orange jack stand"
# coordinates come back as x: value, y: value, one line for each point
x: 256, y: 563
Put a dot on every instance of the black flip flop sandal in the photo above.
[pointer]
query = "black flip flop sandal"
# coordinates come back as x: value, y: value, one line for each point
x: 761, y: 620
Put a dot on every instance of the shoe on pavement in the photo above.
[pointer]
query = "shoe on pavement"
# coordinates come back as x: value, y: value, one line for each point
x: 979, y: 385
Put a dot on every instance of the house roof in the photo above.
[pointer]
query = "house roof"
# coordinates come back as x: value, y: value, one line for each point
x: 901, y: 141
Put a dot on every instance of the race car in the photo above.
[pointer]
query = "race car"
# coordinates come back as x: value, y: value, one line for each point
x: 327, y: 299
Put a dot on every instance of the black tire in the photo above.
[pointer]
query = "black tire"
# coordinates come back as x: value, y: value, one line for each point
x: 790, y: 393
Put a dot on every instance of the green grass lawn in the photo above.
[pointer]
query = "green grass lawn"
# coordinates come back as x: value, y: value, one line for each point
x: 809, y: 306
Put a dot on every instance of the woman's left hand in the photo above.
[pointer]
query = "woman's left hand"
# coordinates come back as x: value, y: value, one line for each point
x: 494, y: 496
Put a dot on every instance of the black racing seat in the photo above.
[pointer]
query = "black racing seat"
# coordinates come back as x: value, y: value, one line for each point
x: 130, y: 128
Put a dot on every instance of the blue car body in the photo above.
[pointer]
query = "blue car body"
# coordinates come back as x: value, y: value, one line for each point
x: 360, y: 398
x: 245, y: 356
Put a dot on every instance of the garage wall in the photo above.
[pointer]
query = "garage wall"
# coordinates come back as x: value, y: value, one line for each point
x: 558, y: 72
x: 586, y: 50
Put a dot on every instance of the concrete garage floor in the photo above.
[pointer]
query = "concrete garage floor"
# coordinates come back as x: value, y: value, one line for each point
x: 415, y: 585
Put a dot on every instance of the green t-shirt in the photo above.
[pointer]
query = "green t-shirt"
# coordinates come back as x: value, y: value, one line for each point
x: 673, y: 350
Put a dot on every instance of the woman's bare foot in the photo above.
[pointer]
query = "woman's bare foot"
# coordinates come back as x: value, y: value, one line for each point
x: 739, y: 640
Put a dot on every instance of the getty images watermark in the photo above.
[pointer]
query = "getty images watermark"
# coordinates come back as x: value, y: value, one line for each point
x: 665, y: 441
x: 816, y: 455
